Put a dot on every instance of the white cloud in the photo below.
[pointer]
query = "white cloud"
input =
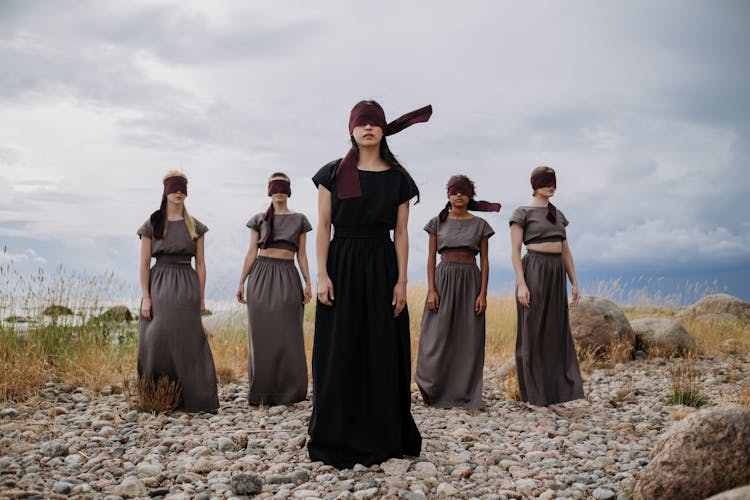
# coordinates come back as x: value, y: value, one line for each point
x: 648, y: 128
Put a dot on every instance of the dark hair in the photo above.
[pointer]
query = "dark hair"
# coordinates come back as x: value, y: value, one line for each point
x: 279, y: 174
x: 386, y: 154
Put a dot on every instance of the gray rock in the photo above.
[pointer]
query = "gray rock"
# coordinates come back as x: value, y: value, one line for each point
x: 661, y: 337
x: 62, y: 487
x: 9, y: 413
x: 246, y: 483
x: 603, y: 494
x: 731, y: 307
x: 131, y: 487
x: 600, y: 325
x: 741, y: 493
x: 705, y: 453
x: 55, y: 449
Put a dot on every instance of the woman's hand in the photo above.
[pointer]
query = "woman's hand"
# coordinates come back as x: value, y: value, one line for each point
x: 146, y: 308
x: 433, y: 300
x: 399, y: 298
x: 480, y: 306
x: 241, y: 294
x: 325, y: 291
x: 203, y: 306
x: 523, y: 295
x: 576, y: 297
x: 308, y: 294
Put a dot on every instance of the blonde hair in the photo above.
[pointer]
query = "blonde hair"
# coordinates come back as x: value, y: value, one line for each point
x: 189, y: 221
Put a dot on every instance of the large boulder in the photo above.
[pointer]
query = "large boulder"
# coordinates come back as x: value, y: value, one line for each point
x: 599, y: 325
x: 705, y: 453
x: 661, y: 337
x: 720, y: 306
x: 741, y: 493
x: 57, y: 310
x: 117, y: 313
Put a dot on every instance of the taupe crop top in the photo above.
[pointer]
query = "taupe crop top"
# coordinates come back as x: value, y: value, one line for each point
x: 536, y: 227
x: 459, y: 234
x: 176, y: 242
x: 287, y: 229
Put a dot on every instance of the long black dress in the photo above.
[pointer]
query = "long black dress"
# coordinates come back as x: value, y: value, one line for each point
x: 361, y: 353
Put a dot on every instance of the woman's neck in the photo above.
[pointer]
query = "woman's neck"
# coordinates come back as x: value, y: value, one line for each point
x: 369, y: 159
x: 280, y: 207
x: 539, y: 200
x: 459, y: 213
x: 174, y: 211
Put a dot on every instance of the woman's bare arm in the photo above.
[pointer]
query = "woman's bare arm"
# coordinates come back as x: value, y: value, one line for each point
x: 322, y: 243
x: 401, y: 241
x: 567, y: 258
x: 144, y: 271
x: 247, y: 264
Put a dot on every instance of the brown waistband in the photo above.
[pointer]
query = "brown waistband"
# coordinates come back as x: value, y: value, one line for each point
x: 458, y: 256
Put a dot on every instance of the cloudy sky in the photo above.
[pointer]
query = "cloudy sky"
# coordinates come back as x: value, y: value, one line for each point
x: 643, y: 108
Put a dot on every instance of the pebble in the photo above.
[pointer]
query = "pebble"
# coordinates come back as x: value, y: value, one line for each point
x: 73, y: 442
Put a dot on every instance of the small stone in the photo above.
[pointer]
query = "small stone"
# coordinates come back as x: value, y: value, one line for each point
x: 62, y: 487
x: 9, y: 413
x: 366, y: 494
x: 131, y: 487
x: 246, y: 483
x: 395, y: 466
x: 446, y: 490
x: 425, y: 469
x: 603, y: 494
x: 54, y: 449
x: 225, y: 444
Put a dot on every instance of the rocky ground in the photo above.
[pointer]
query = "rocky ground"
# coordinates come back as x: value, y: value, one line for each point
x: 71, y: 442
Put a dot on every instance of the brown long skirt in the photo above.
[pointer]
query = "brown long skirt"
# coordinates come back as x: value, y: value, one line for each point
x: 451, y: 343
x: 173, y: 343
x: 276, y: 365
x: 545, y: 354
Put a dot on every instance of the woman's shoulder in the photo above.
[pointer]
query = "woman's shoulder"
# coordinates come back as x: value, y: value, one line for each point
x: 326, y: 174
x: 254, y: 221
x: 200, y: 228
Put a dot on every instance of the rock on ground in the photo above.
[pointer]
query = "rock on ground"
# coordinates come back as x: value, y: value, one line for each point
x: 661, y: 337
x: 706, y: 453
x: 599, y: 324
x: 717, y: 306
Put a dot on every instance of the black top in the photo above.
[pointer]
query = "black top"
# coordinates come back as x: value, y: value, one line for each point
x: 377, y: 208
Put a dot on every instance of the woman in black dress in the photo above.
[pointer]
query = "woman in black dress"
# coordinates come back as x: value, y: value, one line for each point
x: 361, y: 351
x: 171, y: 339
x: 546, y: 360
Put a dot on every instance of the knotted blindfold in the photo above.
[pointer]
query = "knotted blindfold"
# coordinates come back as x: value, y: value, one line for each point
x: 364, y: 113
x: 546, y: 179
x: 460, y: 186
x: 274, y: 187
x: 171, y: 185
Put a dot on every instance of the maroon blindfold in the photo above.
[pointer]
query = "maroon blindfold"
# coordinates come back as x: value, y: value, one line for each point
x: 347, y: 178
x: 174, y: 184
x: 465, y: 188
x: 279, y: 186
x: 546, y: 179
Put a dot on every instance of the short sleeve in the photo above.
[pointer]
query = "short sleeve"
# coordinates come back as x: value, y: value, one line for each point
x: 432, y: 226
x: 306, y: 226
x: 254, y: 222
x: 326, y: 176
x: 407, y: 189
x: 200, y: 228
x: 487, y: 230
x: 565, y: 221
x: 518, y: 216
x: 146, y: 230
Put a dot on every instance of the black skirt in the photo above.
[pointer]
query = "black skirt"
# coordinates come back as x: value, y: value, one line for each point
x: 361, y: 359
x: 546, y: 359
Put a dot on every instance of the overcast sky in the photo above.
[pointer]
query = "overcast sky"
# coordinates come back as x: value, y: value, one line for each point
x: 642, y: 107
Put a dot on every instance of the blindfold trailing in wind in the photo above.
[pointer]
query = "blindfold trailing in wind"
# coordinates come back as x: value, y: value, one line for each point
x: 364, y: 113
x: 171, y: 185
x: 276, y: 186
x: 465, y: 188
x: 542, y: 180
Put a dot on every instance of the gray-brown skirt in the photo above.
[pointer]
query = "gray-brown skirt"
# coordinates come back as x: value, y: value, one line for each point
x: 545, y: 354
x: 451, y: 343
x: 276, y: 365
x: 173, y: 343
